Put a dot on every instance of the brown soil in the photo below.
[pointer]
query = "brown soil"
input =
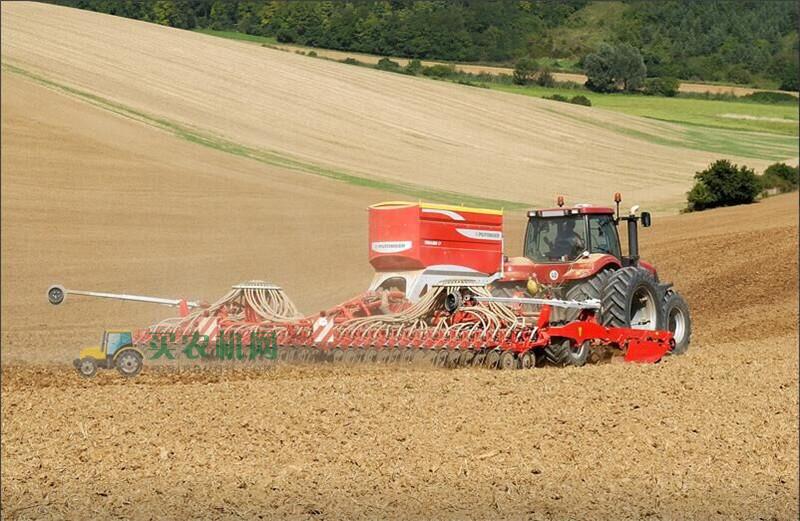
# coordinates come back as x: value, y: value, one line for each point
x: 97, y: 201
x: 361, y: 121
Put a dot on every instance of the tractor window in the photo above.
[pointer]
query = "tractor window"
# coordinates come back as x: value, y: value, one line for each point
x: 555, y: 239
x: 603, y: 233
x: 116, y: 341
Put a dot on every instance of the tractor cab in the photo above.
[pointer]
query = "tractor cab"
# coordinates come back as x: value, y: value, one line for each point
x: 566, y: 244
x: 115, y: 350
x: 568, y: 234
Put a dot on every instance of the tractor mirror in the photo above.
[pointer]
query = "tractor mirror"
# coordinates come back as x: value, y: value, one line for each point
x: 646, y: 219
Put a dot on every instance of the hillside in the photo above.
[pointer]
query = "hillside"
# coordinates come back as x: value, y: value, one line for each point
x: 93, y: 199
x: 405, y: 135
x: 126, y: 167
x: 737, y: 41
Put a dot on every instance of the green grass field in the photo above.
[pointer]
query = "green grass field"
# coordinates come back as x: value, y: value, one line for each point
x: 234, y: 35
x: 731, y: 115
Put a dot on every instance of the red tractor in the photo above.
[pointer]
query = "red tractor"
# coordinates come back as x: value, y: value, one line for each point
x: 574, y: 254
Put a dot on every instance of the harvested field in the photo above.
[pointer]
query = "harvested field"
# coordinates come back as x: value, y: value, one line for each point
x: 332, y: 119
x: 98, y: 200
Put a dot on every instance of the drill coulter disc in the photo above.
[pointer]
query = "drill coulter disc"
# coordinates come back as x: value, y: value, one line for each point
x: 492, y: 359
x: 453, y: 357
x: 337, y: 355
x: 467, y: 356
x: 528, y: 360
x: 508, y: 360
x: 441, y: 358
x: 479, y: 358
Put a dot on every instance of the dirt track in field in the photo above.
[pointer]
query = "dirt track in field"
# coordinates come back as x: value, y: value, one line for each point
x: 98, y: 201
x: 360, y: 121
x: 497, y: 70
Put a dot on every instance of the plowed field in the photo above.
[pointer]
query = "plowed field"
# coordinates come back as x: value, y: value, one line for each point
x: 100, y: 201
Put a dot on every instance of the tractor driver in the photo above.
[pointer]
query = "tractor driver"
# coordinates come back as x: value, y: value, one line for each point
x: 568, y: 243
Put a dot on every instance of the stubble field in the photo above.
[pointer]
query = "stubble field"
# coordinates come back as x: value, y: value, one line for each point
x: 334, y: 120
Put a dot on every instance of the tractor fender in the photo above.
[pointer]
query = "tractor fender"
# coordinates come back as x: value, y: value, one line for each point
x: 129, y: 347
x: 649, y: 267
x: 592, y: 265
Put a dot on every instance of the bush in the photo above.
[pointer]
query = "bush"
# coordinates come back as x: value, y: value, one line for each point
x: 739, y: 74
x: 351, y: 61
x: 557, y: 97
x: 782, y: 177
x: 545, y: 78
x: 385, y: 64
x: 413, y: 67
x: 581, y: 100
x: 661, y: 87
x: 723, y: 184
x: 524, y: 70
x: 439, y: 71
x: 770, y: 97
x: 313, y: 54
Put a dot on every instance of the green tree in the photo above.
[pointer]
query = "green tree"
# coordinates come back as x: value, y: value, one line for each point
x: 723, y: 184
x: 524, y: 71
x: 615, y: 68
x: 173, y: 13
x: 601, y: 70
x: 781, y: 176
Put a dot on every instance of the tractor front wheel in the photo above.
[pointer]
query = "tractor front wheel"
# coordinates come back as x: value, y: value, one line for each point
x: 87, y: 367
x: 679, y: 323
x: 129, y: 363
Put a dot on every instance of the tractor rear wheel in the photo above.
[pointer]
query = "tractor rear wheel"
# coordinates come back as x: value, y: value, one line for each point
x: 632, y: 298
x: 129, y: 363
x: 591, y: 288
x: 678, y: 321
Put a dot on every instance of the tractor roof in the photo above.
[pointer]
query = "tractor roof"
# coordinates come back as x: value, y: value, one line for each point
x: 578, y: 209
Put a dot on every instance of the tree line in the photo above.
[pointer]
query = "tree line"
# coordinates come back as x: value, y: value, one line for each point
x: 715, y: 40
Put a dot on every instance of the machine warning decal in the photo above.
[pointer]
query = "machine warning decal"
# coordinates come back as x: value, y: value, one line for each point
x: 390, y: 246
x: 553, y: 274
x: 483, y: 235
